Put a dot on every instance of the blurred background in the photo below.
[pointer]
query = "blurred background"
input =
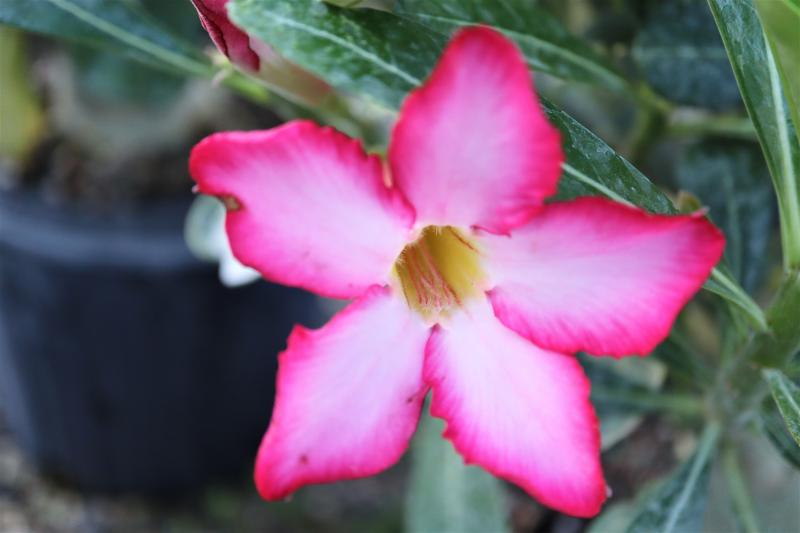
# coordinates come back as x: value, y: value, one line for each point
x: 138, y: 358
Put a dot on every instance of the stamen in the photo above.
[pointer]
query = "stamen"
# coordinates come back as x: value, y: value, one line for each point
x: 439, y: 271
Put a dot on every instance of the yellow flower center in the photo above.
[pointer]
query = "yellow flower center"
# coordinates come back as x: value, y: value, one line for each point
x: 439, y: 271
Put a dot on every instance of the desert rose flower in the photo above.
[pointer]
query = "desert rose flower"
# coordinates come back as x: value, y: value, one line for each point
x: 255, y: 56
x: 464, y: 282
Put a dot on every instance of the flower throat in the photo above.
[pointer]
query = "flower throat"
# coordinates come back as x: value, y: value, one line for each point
x: 439, y: 271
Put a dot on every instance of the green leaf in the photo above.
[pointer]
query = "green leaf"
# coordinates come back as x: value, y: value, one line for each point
x: 678, y: 505
x: 787, y: 397
x: 594, y: 168
x: 447, y: 495
x: 773, y: 426
x: 364, y: 51
x: 759, y: 82
x: 680, y: 54
x: 732, y: 180
x: 106, y: 77
x: 781, y: 20
x: 739, y: 492
x: 545, y: 43
x: 120, y: 26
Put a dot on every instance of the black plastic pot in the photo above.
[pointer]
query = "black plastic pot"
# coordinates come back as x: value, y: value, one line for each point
x: 124, y: 364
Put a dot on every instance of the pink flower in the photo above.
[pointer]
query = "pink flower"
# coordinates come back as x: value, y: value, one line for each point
x: 465, y: 282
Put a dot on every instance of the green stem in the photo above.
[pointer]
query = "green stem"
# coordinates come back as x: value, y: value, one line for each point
x: 727, y: 126
x: 737, y: 489
x: 786, y: 178
x: 645, y: 96
x: 743, y: 300
x: 708, y: 441
x: 776, y: 348
x: 685, y: 405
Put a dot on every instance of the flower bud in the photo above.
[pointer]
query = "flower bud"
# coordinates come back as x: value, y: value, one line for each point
x: 257, y: 57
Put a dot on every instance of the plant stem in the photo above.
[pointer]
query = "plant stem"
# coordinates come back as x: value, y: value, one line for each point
x: 786, y: 178
x: 737, y: 489
x: 778, y: 347
x: 685, y: 405
x: 728, y: 126
x: 743, y: 300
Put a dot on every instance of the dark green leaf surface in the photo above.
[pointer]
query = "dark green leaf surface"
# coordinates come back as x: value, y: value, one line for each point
x: 678, y: 505
x: 759, y: 82
x: 447, y: 495
x: 545, y: 43
x: 363, y: 51
x: 781, y: 20
x: 775, y: 429
x: 113, y: 25
x: 733, y: 181
x: 681, y: 55
x: 594, y: 169
x: 787, y: 397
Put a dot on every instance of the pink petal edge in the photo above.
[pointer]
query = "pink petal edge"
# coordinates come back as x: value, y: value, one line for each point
x: 518, y: 411
x: 472, y: 146
x: 597, y: 276
x: 349, y: 397
x: 307, y: 207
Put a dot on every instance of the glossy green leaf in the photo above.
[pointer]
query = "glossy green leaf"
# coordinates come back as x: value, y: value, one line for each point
x: 593, y: 168
x: 787, y: 397
x: 545, y: 43
x: 781, y: 20
x: 773, y: 426
x: 363, y: 51
x: 678, y: 505
x: 681, y: 55
x: 759, y: 82
x: 731, y: 179
x: 447, y: 495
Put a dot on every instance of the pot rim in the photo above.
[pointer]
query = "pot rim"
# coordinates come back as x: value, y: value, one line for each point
x: 134, y: 237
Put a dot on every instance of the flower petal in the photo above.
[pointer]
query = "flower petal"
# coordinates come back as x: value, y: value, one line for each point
x: 349, y: 396
x: 307, y: 206
x: 472, y: 147
x: 599, y: 276
x: 521, y: 412
x: 230, y: 40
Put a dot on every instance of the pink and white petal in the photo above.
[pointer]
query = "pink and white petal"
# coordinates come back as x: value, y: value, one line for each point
x: 229, y: 39
x: 348, y: 396
x: 307, y: 206
x: 597, y: 276
x: 520, y: 412
x: 472, y: 146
